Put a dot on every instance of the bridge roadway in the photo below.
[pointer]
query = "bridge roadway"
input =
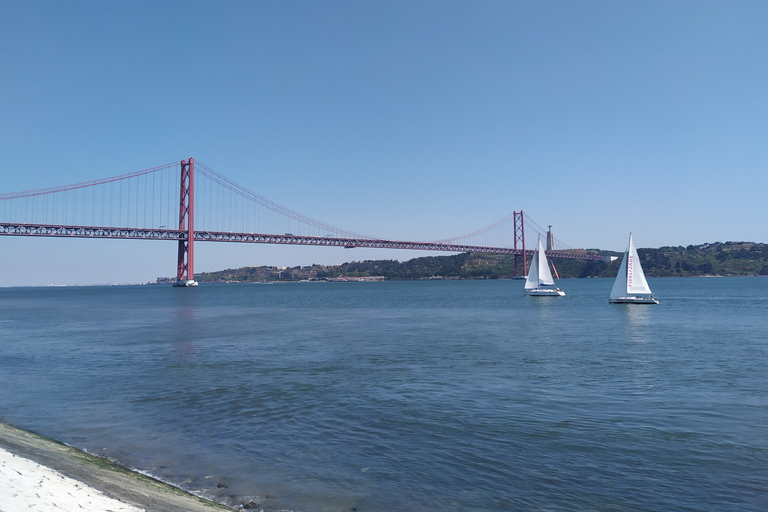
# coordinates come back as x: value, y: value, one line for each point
x: 51, y: 230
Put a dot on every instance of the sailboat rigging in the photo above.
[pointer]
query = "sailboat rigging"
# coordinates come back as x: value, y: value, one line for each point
x: 539, y: 281
x: 630, y: 286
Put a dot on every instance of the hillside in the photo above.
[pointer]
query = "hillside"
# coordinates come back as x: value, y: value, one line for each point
x: 721, y: 259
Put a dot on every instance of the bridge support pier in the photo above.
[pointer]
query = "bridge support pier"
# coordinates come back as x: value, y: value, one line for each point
x: 520, y: 263
x: 185, y: 274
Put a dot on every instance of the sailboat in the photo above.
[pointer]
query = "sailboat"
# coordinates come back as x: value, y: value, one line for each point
x: 631, y: 286
x: 539, y: 278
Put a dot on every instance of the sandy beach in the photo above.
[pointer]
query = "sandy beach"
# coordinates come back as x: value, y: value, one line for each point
x: 37, y: 473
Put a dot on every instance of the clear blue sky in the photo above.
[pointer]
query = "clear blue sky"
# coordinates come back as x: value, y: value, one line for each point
x: 408, y: 120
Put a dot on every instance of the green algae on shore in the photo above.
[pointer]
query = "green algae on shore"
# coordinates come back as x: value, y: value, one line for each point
x: 113, y: 480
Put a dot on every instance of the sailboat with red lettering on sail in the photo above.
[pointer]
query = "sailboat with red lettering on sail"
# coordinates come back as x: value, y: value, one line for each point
x: 630, y: 286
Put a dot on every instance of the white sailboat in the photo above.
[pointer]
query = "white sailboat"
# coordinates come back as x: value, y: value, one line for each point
x: 631, y: 286
x: 539, y: 278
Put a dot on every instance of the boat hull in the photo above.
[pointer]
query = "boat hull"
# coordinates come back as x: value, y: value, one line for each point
x: 634, y: 300
x: 541, y: 292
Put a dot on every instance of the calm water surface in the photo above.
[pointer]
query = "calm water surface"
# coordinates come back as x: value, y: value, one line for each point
x: 410, y: 396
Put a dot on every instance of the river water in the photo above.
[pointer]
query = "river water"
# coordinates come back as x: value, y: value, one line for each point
x: 408, y: 396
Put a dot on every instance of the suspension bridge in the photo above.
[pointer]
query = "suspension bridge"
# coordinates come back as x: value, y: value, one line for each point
x: 188, y: 202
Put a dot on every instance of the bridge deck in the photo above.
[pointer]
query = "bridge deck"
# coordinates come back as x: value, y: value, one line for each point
x: 50, y: 230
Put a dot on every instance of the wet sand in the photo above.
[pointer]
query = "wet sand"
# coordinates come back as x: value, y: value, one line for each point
x: 37, y: 473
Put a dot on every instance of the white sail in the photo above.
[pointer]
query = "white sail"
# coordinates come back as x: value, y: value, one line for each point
x: 532, y: 281
x: 620, y: 284
x: 545, y: 276
x: 636, y: 282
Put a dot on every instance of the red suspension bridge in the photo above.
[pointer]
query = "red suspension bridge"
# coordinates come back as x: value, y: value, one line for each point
x: 198, y: 204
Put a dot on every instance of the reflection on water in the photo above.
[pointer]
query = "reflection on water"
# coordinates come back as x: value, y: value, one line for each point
x: 184, y: 331
x: 637, y: 314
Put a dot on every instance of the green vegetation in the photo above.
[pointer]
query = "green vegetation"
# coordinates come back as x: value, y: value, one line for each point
x: 720, y: 259
x: 729, y: 258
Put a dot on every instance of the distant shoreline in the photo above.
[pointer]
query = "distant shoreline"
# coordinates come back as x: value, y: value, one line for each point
x: 205, y: 283
x: 718, y: 259
x: 728, y: 259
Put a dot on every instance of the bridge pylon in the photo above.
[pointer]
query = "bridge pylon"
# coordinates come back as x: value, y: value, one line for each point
x: 519, y: 237
x: 185, y: 273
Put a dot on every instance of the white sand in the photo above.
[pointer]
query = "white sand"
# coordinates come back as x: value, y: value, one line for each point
x: 27, y: 486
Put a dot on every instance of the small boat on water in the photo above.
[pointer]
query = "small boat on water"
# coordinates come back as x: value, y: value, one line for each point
x: 630, y: 286
x: 539, y: 282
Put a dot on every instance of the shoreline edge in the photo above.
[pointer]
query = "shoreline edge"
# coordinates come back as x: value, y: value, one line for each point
x: 74, y: 471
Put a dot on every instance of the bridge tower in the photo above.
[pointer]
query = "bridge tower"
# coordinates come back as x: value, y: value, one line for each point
x: 185, y: 273
x: 519, y: 237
